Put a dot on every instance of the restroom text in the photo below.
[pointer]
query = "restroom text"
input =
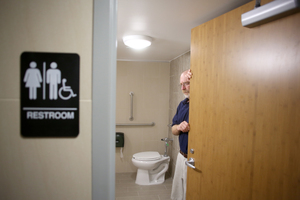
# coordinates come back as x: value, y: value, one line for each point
x: 49, y: 115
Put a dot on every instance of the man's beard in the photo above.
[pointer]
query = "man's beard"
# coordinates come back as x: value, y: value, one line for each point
x: 187, y: 95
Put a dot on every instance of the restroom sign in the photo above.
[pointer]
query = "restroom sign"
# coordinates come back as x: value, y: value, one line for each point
x: 49, y: 94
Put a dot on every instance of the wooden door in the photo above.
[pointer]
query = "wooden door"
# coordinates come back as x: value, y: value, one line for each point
x: 245, y: 109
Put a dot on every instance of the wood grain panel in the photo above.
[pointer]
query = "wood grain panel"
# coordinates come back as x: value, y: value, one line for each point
x: 245, y: 109
x: 276, y: 153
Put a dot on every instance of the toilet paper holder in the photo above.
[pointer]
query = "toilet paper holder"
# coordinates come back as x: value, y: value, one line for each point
x: 120, y: 139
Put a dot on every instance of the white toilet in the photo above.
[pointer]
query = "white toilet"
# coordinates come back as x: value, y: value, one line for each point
x: 151, y: 167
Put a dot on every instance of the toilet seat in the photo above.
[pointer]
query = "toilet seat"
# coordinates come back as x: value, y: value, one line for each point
x: 147, y: 156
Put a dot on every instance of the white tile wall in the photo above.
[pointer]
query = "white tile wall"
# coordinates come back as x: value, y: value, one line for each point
x: 44, y: 168
x: 149, y: 81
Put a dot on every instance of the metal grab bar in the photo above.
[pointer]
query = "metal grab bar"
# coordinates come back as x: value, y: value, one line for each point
x: 131, y: 105
x: 135, y: 124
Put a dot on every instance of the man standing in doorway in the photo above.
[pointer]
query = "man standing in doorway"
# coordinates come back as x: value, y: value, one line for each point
x: 180, y: 127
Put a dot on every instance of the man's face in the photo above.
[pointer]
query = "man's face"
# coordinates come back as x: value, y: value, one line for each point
x: 185, y: 85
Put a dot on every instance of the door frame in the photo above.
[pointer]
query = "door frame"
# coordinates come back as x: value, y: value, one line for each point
x: 104, y: 98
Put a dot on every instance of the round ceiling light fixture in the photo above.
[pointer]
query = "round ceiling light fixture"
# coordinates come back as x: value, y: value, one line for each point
x: 137, y: 41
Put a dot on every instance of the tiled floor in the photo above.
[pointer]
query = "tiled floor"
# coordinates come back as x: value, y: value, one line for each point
x: 126, y: 189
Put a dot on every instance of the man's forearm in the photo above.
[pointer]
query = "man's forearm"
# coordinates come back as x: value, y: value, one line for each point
x: 175, y: 131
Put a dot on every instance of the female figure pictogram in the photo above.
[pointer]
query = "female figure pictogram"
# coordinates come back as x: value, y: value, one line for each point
x: 32, y: 79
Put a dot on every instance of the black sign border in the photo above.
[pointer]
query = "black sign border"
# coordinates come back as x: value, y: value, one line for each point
x: 62, y: 132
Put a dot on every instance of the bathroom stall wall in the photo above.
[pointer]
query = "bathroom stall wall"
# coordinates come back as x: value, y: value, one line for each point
x: 177, y: 66
x: 44, y: 168
x: 149, y: 82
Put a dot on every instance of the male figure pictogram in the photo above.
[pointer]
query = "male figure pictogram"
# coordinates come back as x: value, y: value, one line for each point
x: 53, y: 79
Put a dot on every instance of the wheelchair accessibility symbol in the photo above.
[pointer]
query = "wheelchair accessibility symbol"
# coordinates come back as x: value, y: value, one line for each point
x: 66, y: 89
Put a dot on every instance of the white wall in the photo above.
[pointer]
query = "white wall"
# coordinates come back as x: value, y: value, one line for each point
x: 49, y: 168
x: 149, y: 81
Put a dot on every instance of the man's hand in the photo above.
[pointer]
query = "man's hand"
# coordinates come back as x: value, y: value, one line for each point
x: 183, y: 127
x: 189, y: 74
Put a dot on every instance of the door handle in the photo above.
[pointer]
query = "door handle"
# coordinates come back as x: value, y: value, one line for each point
x: 190, y: 163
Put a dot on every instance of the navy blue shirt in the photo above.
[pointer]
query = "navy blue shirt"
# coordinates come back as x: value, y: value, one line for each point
x: 182, y: 114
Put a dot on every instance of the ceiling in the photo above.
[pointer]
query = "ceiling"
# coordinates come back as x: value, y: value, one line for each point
x: 168, y: 22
